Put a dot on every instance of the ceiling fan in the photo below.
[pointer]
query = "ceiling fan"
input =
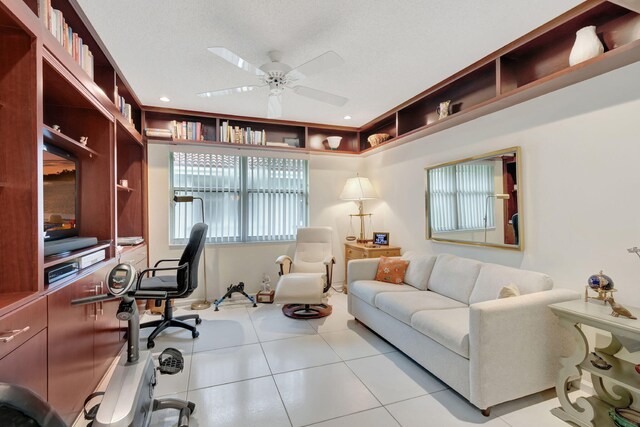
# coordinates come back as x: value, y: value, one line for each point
x: 279, y: 76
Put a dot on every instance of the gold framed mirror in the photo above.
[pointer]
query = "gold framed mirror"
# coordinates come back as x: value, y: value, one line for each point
x: 476, y: 201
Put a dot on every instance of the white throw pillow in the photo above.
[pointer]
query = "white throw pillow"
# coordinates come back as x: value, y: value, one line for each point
x: 509, y: 291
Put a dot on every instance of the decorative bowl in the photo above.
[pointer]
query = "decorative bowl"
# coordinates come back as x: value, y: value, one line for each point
x: 378, y: 138
x: 600, y: 282
x: 334, y: 142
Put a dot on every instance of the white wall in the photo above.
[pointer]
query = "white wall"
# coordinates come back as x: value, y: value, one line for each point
x: 232, y: 263
x: 580, y: 156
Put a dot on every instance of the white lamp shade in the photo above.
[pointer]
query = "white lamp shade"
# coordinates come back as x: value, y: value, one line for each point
x: 358, y: 188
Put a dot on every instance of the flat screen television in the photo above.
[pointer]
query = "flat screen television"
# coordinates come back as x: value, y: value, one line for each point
x: 60, y: 182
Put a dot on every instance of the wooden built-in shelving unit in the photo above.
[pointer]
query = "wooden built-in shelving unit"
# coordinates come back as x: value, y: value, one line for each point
x: 535, y: 64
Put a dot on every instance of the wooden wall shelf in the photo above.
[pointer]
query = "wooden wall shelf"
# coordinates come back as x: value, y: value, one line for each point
x: 535, y: 64
x: 63, y: 141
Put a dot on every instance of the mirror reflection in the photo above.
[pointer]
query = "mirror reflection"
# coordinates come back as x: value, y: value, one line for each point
x: 475, y: 201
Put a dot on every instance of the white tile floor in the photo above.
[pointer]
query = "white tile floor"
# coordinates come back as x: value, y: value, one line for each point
x: 256, y: 367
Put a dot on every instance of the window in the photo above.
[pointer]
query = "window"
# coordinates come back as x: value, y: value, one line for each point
x: 246, y: 198
x: 458, y: 199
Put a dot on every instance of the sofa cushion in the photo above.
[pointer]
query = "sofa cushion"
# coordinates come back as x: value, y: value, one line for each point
x: 449, y: 328
x: 419, y: 270
x: 367, y: 290
x: 454, y: 277
x: 402, y: 305
x: 493, y: 277
x: 391, y: 270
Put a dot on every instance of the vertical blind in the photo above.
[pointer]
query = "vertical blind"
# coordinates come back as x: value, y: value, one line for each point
x: 458, y: 197
x: 246, y: 198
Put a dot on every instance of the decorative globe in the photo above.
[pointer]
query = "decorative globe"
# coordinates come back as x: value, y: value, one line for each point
x: 600, y: 282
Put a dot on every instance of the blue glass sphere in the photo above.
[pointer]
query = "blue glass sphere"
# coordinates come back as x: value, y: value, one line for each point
x: 600, y: 281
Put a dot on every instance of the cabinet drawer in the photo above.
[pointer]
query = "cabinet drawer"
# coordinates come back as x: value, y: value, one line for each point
x: 22, y: 324
x: 389, y: 252
x: 27, y: 365
x: 354, y: 254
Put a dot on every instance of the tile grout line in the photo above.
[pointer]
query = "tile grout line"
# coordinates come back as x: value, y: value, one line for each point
x: 286, y: 411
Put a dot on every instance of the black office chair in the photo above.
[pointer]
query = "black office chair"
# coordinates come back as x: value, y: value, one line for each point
x: 20, y: 407
x: 179, y: 286
x: 515, y: 219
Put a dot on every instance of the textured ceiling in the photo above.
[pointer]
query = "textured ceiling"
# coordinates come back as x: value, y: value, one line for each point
x: 393, y: 49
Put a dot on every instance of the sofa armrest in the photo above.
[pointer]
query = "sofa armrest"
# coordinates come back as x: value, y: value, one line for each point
x: 515, y: 345
x: 362, y: 269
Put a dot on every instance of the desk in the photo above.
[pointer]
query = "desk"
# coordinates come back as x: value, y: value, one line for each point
x: 592, y: 411
x: 359, y: 251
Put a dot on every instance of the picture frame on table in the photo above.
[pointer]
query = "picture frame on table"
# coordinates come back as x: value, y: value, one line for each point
x: 381, y: 238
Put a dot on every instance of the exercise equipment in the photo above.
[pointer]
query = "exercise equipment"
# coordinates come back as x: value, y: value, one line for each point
x: 232, y: 289
x: 128, y: 400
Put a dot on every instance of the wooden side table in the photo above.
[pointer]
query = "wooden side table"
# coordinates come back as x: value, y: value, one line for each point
x: 359, y: 251
x: 592, y: 411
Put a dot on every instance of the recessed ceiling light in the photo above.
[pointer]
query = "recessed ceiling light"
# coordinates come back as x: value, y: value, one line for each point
x: 164, y: 99
x: 347, y: 117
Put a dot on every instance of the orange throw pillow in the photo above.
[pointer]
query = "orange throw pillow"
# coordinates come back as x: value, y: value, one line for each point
x: 391, y: 270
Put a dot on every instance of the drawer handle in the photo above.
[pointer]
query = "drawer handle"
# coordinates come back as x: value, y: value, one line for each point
x: 14, y: 333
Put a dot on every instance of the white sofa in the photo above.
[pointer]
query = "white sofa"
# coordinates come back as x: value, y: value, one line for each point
x: 448, y: 319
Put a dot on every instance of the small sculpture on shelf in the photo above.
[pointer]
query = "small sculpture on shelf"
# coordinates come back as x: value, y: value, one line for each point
x: 56, y: 128
x: 84, y: 140
x: 618, y: 310
x: 602, y: 284
x: 443, y: 109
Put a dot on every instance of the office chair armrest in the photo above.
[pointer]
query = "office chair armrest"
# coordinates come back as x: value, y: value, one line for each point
x: 166, y: 260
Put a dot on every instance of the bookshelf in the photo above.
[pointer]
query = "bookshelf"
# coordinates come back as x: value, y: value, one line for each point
x: 19, y: 156
x: 531, y: 66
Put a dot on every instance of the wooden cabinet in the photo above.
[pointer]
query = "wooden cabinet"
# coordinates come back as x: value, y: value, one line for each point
x: 27, y: 365
x: 71, y: 347
x: 360, y: 251
x: 83, y: 341
x: 23, y: 347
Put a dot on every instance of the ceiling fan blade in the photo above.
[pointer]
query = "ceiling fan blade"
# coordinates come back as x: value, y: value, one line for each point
x: 320, y: 95
x: 229, y: 91
x: 236, y: 60
x: 274, y: 107
x: 317, y: 65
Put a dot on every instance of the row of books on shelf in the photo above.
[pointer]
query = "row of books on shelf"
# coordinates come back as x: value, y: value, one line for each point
x: 123, y: 107
x: 54, y: 20
x: 179, y: 130
x: 238, y: 135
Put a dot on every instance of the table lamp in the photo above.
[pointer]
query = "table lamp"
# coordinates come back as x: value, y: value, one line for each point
x: 359, y: 189
x: 204, y: 304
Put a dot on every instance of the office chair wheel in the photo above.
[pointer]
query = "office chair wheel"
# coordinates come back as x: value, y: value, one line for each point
x: 198, y: 321
x: 151, y: 344
x: 195, y: 334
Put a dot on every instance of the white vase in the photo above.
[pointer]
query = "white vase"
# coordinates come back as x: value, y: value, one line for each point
x: 334, y: 142
x: 316, y: 144
x: 587, y: 46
